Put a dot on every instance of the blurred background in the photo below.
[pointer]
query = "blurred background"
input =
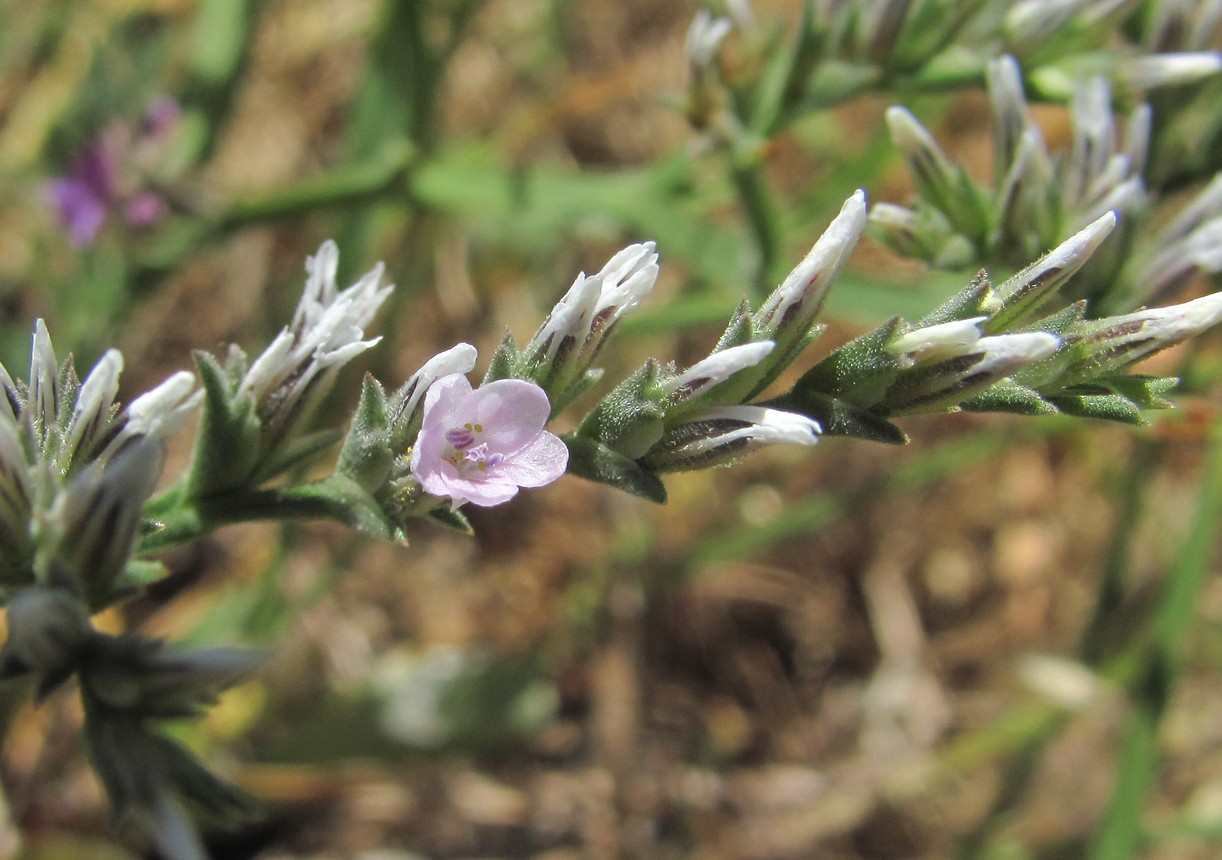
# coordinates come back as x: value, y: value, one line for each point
x: 855, y: 651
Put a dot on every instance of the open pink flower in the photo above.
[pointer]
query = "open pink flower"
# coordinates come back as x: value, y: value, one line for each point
x: 481, y: 445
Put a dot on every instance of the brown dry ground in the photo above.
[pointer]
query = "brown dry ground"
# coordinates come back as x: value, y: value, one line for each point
x: 848, y: 692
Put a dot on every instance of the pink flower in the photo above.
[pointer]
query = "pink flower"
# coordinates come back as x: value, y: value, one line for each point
x: 480, y: 446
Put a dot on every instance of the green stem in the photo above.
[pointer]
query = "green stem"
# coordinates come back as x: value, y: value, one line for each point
x: 335, y: 498
x: 762, y: 219
x: 1159, y: 661
x: 1110, y: 594
x: 354, y: 184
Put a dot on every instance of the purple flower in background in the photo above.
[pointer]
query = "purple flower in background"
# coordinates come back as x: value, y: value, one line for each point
x: 81, y: 198
x: 116, y: 174
x: 481, y: 445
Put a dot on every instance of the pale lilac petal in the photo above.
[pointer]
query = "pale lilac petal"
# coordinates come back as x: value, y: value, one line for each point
x: 511, y: 411
x: 539, y: 463
x: 444, y: 403
x: 79, y: 208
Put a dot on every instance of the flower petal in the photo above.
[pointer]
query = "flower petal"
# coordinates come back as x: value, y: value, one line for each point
x: 539, y: 463
x: 511, y: 411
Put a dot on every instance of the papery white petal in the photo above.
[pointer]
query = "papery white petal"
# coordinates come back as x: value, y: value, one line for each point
x: 952, y: 337
x: 704, y: 36
x: 1162, y: 70
x: 719, y: 367
x: 1007, y: 353
x: 795, y: 303
x: 458, y: 359
x: 44, y: 370
x: 160, y: 412
x: 94, y: 400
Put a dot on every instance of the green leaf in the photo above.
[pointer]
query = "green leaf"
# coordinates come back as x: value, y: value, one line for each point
x: 1061, y: 321
x: 452, y: 518
x: 136, y: 575
x: 783, y: 83
x: 630, y: 418
x: 965, y: 304
x: 504, y: 363
x: 594, y: 461
x: 1145, y: 391
x: 366, y: 456
x: 1008, y: 396
x: 227, y: 448
x: 295, y: 453
x: 1107, y: 407
x: 859, y: 372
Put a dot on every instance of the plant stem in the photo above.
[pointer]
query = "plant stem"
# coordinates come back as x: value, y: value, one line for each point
x: 1160, y: 659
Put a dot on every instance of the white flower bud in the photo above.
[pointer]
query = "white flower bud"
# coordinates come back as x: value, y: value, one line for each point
x: 937, y: 341
x: 704, y: 37
x: 717, y: 368
x: 725, y: 433
x: 789, y: 312
x: 1163, y: 70
x: 326, y: 332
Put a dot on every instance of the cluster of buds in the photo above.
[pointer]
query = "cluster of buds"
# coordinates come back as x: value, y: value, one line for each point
x: 1037, y: 199
x: 662, y: 419
x: 254, y: 413
x: 76, y: 471
x: 988, y: 349
x: 844, y: 46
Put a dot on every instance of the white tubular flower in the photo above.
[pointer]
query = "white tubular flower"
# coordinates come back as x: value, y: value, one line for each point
x: 725, y: 433
x: 704, y: 37
x: 1127, y: 196
x: 936, y: 341
x: 742, y: 13
x: 91, y: 415
x: 406, y: 407
x: 96, y: 517
x: 157, y: 414
x: 1005, y: 354
x: 1115, y: 342
x: 1182, y: 25
x: 1009, y: 104
x: 716, y: 369
x: 1165, y: 70
x: 1204, y: 207
x: 1022, y: 294
x: 892, y: 216
x: 952, y: 378
x: 571, y: 336
x: 1032, y: 21
x: 1094, y: 135
x: 12, y: 403
x: 1192, y: 242
x: 928, y: 162
x: 1136, y: 145
x: 44, y: 381
x: 788, y: 314
x: 46, y: 629
x: 904, y: 229
x: 327, y: 331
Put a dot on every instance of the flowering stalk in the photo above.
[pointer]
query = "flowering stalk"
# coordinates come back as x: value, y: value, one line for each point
x: 1039, y: 200
x: 559, y: 356
x: 254, y: 414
